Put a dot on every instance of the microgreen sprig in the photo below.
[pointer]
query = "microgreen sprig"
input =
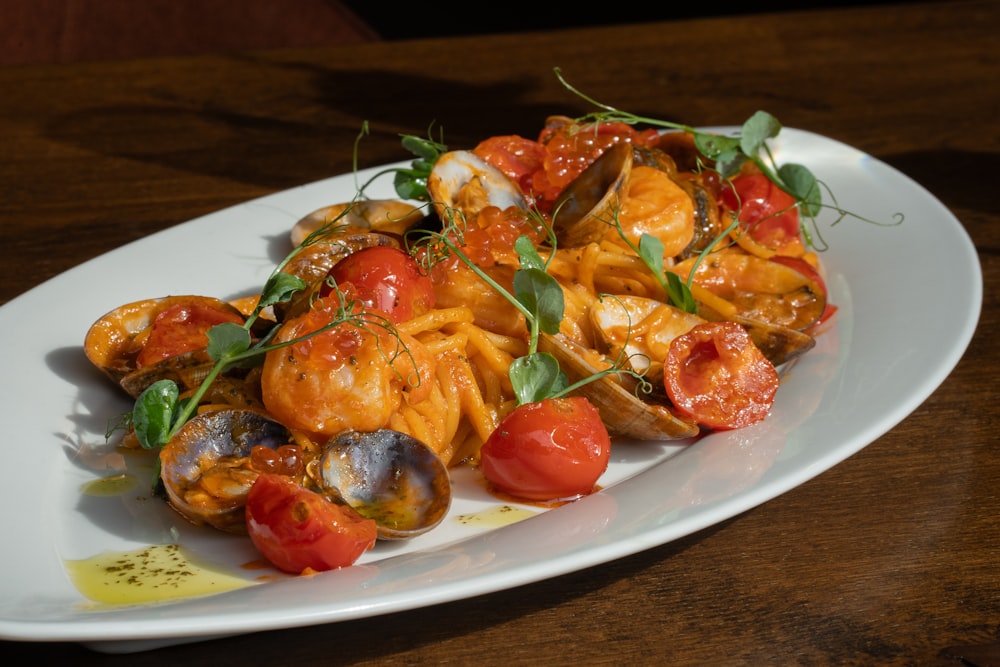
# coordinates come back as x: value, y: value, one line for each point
x: 729, y: 153
x: 159, y: 411
x: 538, y: 296
x: 411, y: 183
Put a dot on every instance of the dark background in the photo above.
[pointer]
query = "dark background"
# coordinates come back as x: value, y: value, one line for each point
x: 442, y: 19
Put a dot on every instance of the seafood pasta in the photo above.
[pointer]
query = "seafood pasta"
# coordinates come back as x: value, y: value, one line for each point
x: 527, y: 302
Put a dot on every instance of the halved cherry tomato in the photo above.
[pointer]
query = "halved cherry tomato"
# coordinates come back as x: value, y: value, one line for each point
x: 547, y: 450
x: 806, y: 269
x: 182, y: 328
x: 386, y: 279
x: 766, y: 211
x: 299, y: 530
x: 715, y: 375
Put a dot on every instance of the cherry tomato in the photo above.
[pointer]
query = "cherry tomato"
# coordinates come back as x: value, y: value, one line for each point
x: 386, y: 279
x: 806, y: 269
x: 182, y: 328
x: 767, y: 211
x: 550, y: 449
x: 297, y: 529
x: 715, y: 375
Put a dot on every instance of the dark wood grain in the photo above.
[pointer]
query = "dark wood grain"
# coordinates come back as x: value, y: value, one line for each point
x: 890, y: 558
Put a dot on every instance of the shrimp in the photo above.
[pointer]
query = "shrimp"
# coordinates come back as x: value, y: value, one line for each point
x: 656, y: 205
x: 342, y: 378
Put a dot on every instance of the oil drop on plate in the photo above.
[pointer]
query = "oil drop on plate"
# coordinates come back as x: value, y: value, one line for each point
x: 150, y: 574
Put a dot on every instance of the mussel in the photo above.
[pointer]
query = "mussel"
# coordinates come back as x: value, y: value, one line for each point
x: 387, y: 476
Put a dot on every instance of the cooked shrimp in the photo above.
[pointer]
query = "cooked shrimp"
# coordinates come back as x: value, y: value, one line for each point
x: 341, y: 378
x: 657, y: 206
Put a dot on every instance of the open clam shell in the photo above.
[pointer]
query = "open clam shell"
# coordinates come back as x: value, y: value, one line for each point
x: 389, y: 477
x: 114, y: 341
x: 464, y: 182
x: 624, y: 413
x: 203, y: 466
x: 585, y: 211
x: 388, y: 216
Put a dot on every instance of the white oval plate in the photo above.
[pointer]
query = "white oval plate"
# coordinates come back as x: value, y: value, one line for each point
x: 882, y: 358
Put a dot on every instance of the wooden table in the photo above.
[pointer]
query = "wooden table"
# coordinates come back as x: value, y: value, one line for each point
x: 889, y: 558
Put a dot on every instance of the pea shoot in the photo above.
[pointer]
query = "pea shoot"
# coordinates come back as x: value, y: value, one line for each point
x: 159, y: 411
x: 537, y: 296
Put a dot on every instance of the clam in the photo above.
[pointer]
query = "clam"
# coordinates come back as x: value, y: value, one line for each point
x: 777, y: 343
x: 623, y: 412
x: 387, y: 216
x: 708, y: 225
x: 315, y: 260
x: 464, y: 182
x: 387, y: 476
x: 641, y: 329
x: 585, y: 210
x: 773, y: 302
x: 205, y: 467
x: 187, y: 370
x: 759, y: 289
x: 113, y: 343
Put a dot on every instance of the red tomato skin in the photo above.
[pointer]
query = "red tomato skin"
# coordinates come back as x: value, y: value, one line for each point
x: 547, y: 450
x: 182, y: 328
x: 299, y: 530
x: 386, y: 279
x: 715, y: 375
x: 768, y: 211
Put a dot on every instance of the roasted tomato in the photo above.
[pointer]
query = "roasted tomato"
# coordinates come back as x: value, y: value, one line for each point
x: 386, y: 279
x: 547, y: 450
x: 299, y: 530
x: 182, y: 328
x: 767, y: 212
x: 715, y: 375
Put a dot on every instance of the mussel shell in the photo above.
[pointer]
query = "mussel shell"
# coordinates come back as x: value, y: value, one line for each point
x: 584, y: 211
x: 389, y: 477
x: 208, y: 439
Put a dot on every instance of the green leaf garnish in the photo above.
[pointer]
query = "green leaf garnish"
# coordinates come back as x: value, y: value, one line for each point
x: 535, y: 377
x: 154, y: 412
x: 541, y: 294
x: 227, y: 340
x: 756, y: 131
x: 279, y: 288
